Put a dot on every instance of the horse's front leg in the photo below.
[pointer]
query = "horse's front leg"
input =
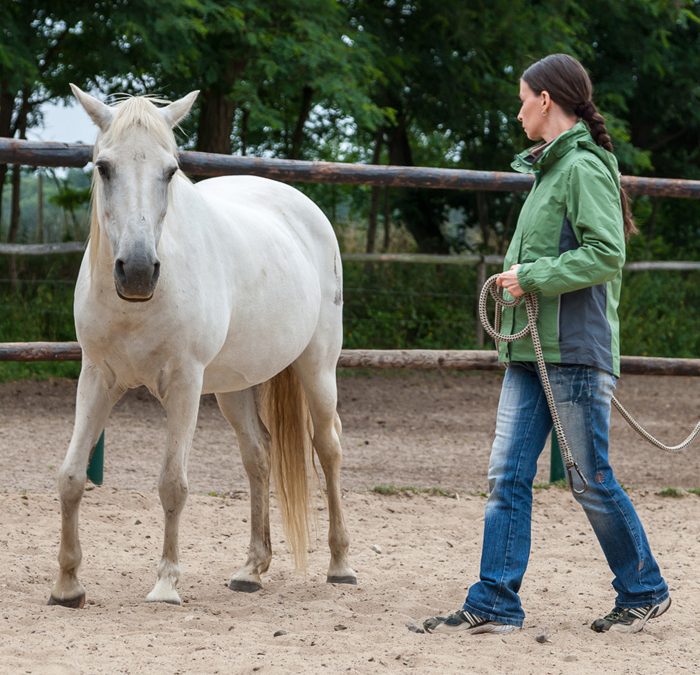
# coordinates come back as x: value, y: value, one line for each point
x: 94, y: 400
x: 180, y: 397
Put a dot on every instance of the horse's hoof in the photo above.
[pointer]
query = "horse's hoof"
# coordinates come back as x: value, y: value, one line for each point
x: 347, y: 579
x: 74, y: 603
x: 244, y: 586
x: 171, y: 598
x: 176, y: 602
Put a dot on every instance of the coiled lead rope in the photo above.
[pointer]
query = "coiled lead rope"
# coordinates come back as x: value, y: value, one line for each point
x: 532, y: 309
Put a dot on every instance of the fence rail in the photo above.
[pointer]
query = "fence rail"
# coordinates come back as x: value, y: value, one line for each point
x: 420, y: 258
x: 385, y: 359
x: 45, y: 153
x: 42, y: 249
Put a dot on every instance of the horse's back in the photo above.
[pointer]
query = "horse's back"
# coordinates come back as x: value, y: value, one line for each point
x: 266, y: 195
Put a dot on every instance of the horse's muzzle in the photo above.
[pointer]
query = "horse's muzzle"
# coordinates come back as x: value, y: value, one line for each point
x: 135, y: 278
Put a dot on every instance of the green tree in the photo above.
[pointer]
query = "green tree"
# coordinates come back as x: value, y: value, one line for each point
x: 261, y: 68
x: 450, y: 81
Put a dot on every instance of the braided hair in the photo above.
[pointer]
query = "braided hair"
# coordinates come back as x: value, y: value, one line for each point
x: 570, y: 87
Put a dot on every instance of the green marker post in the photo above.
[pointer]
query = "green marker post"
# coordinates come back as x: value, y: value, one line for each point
x: 556, y: 465
x: 95, y: 470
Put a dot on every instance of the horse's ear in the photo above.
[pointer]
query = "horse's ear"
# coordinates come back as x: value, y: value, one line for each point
x: 100, y: 113
x: 177, y: 110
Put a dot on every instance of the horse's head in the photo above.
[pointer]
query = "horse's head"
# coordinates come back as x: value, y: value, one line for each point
x: 135, y: 160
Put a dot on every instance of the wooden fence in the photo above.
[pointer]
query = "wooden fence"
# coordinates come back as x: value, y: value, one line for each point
x: 383, y: 359
x: 43, y: 153
x: 39, y: 153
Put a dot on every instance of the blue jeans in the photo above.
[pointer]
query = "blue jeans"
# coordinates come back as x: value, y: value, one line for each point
x: 583, y: 395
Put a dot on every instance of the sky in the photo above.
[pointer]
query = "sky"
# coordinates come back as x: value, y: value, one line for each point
x: 69, y: 124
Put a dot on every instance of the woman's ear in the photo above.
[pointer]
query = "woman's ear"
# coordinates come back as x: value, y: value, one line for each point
x: 545, y: 101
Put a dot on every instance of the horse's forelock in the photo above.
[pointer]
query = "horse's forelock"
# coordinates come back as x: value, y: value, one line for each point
x: 140, y: 111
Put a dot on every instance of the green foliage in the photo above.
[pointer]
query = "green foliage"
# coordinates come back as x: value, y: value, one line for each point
x: 387, y: 306
x: 659, y: 314
x: 399, y: 306
x: 39, y: 309
x: 391, y: 490
x: 65, y: 214
x: 675, y: 493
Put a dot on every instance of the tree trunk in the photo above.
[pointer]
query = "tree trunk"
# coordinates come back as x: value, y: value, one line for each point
x: 3, y: 176
x: 421, y: 212
x: 650, y: 223
x: 40, y: 207
x: 304, y: 111
x: 14, y: 204
x: 507, y: 229
x: 14, y: 220
x: 374, y: 199
x: 21, y: 127
x: 245, y: 117
x: 482, y: 207
x: 387, y: 220
x: 7, y: 103
x: 215, y: 122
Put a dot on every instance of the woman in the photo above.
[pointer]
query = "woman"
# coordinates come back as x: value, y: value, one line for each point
x: 569, y: 249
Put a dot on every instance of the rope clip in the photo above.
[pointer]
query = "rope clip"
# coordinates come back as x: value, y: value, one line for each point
x: 571, y: 479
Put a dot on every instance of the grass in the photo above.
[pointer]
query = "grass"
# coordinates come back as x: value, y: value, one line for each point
x: 556, y: 484
x: 389, y: 489
x: 677, y: 493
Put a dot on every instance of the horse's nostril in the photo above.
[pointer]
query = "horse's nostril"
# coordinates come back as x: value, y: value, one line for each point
x: 156, y: 271
x: 119, y: 269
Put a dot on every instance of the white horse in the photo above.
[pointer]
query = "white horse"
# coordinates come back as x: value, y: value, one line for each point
x: 210, y: 288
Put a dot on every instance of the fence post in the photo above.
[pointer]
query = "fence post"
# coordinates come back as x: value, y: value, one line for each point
x: 480, y: 281
x: 95, y: 470
x: 556, y: 465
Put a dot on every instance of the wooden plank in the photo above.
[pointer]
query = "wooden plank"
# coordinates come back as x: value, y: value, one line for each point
x: 45, y: 153
x: 671, y: 265
x: 42, y: 249
x: 383, y: 359
x: 426, y: 258
x: 413, y: 258
x: 419, y: 359
x: 653, y: 365
x: 40, y: 351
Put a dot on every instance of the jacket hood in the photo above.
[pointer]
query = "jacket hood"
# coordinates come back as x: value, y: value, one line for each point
x: 578, y: 136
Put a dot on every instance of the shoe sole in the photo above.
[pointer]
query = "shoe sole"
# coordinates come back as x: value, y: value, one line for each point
x: 499, y: 628
x: 639, y: 625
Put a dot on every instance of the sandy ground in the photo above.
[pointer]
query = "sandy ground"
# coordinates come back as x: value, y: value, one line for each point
x: 414, y: 553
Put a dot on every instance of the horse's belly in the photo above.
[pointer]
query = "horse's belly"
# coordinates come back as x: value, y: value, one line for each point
x: 247, y: 360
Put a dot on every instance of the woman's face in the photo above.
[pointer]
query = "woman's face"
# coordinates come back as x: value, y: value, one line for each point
x: 533, y: 114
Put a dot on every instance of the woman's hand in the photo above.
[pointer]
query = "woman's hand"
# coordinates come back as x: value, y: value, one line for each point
x: 509, y: 281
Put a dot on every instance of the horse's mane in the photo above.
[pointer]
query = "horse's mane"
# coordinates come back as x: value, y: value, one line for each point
x: 129, y: 112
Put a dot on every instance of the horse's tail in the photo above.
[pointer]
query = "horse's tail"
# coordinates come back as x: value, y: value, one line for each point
x: 287, y: 417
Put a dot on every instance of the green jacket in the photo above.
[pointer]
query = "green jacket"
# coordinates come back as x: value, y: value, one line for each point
x: 570, y: 243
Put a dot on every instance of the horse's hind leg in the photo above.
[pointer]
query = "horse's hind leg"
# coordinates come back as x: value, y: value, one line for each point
x: 240, y: 410
x: 317, y: 375
x: 94, y: 401
x: 180, y: 393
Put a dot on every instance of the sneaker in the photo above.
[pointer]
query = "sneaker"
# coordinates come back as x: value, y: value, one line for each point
x: 461, y: 620
x: 630, y: 619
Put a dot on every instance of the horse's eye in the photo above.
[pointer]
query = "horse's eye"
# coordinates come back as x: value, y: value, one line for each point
x: 103, y: 170
x: 169, y: 173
